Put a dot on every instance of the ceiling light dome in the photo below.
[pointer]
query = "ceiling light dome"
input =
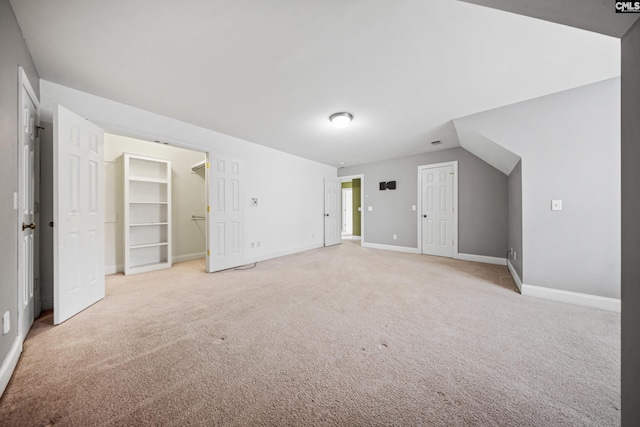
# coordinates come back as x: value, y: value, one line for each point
x: 341, y: 120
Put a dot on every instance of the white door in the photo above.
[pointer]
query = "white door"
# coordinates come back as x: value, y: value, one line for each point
x: 347, y: 211
x: 332, y: 214
x: 437, y: 211
x: 27, y: 268
x: 225, y: 215
x: 78, y: 214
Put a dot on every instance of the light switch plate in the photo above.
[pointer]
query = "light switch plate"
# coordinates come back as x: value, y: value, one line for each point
x: 413, y: 207
x: 370, y: 208
x: 556, y: 205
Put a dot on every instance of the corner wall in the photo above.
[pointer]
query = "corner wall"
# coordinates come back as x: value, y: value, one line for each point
x: 482, y: 202
x: 13, y: 53
x: 631, y: 227
x: 569, y: 143
x: 514, y: 183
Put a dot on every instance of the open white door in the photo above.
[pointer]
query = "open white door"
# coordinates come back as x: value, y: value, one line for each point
x: 78, y: 214
x: 332, y: 213
x: 27, y: 267
x: 226, y: 223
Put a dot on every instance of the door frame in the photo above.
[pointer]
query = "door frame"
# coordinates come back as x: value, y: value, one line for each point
x: 455, y: 203
x: 359, y: 176
x: 344, y: 215
x: 25, y: 83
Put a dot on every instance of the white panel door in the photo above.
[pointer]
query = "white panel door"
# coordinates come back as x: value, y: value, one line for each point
x: 437, y: 211
x: 332, y: 211
x: 78, y: 214
x: 27, y: 268
x: 225, y: 215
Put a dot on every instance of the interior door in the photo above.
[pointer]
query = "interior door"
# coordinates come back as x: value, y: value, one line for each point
x: 225, y: 219
x: 332, y: 211
x: 27, y: 267
x: 437, y: 211
x: 78, y: 214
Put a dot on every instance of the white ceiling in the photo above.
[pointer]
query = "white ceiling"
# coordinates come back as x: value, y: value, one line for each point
x: 272, y: 72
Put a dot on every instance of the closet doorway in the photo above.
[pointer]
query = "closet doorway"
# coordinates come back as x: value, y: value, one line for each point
x: 352, y: 201
x: 187, y: 206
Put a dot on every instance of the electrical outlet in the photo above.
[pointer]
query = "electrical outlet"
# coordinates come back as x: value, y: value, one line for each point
x: 395, y: 237
x: 6, y: 323
x: 253, y: 245
x: 313, y: 236
x: 258, y: 243
x: 514, y: 255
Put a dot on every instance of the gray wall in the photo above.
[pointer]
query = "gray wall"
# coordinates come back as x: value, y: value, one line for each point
x: 631, y: 227
x: 482, y: 201
x: 13, y: 52
x: 514, y: 183
x: 569, y: 143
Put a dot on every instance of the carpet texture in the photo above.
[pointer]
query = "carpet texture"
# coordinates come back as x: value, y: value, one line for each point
x: 341, y: 336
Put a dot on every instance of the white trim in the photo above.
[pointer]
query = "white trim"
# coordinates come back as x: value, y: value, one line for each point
x: 390, y: 248
x: 515, y: 276
x: 586, y: 300
x: 454, y: 164
x: 285, y: 252
x: 9, y: 363
x: 361, y: 177
x: 483, y: 258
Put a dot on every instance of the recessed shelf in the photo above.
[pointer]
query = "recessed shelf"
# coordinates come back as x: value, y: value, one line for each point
x: 154, y: 180
x: 148, y: 203
x: 147, y: 212
x: 148, y: 245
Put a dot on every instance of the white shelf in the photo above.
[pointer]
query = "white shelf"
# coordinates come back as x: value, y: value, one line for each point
x: 148, y: 245
x: 147, y: 213
x: 154, y: 180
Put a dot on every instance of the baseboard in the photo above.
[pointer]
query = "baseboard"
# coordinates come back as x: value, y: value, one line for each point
x: 47, y: 303
x: 9, y: 363
x: 390, y: 247
x: 586, y: 300
x: 515, y: 276
x: 281, y: 253
x: 483, y: 258
x: 188, y: 257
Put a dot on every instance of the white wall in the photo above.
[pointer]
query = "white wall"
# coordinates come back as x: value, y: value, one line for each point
x: 290, y: 191
x: 187, y: 194
x: 569, y: 143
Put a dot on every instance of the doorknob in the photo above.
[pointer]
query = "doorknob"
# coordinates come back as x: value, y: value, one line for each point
x: 31, y: 226
x: 326, y: 214
x: 424, y: 216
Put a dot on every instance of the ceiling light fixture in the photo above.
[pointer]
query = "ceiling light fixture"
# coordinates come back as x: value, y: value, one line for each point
x: 341, y: 120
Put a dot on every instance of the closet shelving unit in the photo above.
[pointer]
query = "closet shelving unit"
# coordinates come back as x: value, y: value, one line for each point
x: 147, y: 213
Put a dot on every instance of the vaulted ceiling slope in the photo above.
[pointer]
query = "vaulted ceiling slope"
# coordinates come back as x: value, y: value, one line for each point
x: 272, y: 72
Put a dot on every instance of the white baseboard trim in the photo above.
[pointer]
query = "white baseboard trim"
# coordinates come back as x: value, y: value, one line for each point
x: 482, y: 258
x: 281, y: 253
x: 586, y: 300
x: 47, y: 303
x: 9, y: 363
x: 515, y: 276
x: 188, y: 257
x: 390, y: 248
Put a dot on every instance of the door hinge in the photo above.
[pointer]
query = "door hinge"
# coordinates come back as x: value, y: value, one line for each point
x: 208, y: 208
x: 36, y: 207
x: 208, y: 252
x: 208, y: 165
x: 36, y: 283
x: 452, y: 243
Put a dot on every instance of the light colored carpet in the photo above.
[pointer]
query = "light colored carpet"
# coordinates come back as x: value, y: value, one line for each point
x: 335, y: 336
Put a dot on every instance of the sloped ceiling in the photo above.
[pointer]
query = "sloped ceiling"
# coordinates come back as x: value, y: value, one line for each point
x: 272, y: 72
